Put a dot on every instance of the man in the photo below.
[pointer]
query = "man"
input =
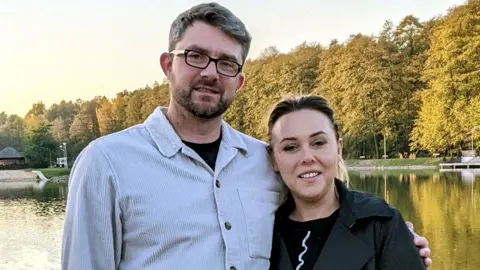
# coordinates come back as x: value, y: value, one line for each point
x: 183, y: 190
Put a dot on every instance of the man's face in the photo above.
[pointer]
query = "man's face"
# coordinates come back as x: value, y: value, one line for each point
x: 203, y: 92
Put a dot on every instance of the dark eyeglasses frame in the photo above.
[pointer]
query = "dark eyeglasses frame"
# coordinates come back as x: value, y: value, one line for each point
x: 210, y: 59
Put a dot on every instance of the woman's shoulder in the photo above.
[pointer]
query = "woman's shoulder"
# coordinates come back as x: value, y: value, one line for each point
x: 383, y: 227
x: 367, y: 205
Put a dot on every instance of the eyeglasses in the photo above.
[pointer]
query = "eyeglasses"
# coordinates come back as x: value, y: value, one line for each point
x: 200, y: 60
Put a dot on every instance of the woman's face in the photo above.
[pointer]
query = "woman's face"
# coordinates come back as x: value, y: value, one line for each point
x: 305, y: 152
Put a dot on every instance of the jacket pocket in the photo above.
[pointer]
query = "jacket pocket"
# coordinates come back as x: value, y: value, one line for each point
x: 259, y: 208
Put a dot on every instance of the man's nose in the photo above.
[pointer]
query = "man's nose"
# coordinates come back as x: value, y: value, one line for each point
x: 210, y: 71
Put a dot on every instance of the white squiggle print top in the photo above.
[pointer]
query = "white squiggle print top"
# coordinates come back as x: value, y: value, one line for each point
x: 300, y: 257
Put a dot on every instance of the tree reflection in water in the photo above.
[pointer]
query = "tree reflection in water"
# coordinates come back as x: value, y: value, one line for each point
x: 442, y: 205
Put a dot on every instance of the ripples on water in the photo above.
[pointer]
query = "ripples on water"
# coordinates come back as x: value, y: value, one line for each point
x: 444, y: 207
x: 31, y: 221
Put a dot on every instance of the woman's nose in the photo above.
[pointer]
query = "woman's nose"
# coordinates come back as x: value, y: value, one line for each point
x: 307, y: 157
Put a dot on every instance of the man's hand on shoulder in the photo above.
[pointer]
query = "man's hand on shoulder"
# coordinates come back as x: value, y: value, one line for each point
x: 422, y: 244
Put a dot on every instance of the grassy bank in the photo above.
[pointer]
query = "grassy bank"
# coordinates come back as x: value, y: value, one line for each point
x: 55, y: 172
x: 393, y: 162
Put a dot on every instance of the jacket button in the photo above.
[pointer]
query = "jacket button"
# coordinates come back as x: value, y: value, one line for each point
x: 217, y: 183
x: 233, y: 268
x: 228, y: 226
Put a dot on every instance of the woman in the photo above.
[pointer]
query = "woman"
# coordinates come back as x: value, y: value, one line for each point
x: 323, y: 225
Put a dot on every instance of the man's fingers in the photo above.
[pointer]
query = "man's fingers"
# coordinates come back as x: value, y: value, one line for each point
x: 422, y: 244
x: 428, y: 262
x: 421, y: 241
x: 409, y: 225
x: 425, y: 252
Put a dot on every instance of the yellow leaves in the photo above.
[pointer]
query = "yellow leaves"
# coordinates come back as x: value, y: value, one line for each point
x: 106, y: 117
x: 453, y: 71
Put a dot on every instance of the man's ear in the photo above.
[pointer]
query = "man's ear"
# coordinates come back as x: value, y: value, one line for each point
x: 166, y: 62
x: 241, y: 82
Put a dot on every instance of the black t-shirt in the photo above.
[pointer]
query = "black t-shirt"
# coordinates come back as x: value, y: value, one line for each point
x: 295, y: 232
x: 207, y: 151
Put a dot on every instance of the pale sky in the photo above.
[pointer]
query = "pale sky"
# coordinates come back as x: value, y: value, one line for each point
x: 55, y: 49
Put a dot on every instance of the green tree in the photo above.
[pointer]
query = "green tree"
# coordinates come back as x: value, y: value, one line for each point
x: 39, y: 146
x: 3, y: 118
x: 11, y: 132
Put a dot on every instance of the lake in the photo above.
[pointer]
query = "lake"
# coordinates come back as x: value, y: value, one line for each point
x: 444, y: 207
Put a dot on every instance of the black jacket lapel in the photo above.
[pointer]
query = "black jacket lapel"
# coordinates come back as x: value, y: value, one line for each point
x: 280, y: 259
x: 342, y: 243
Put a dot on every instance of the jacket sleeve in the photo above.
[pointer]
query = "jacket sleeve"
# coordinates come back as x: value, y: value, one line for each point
x: 92, y: 231
x: 398, y: 249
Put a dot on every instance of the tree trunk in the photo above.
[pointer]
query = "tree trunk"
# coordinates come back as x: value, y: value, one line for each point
x: 376, y: 146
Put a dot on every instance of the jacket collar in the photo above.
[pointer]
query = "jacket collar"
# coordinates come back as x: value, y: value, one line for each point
x: 354, y: 206
x: 359, y: 205
x: 169, y: 143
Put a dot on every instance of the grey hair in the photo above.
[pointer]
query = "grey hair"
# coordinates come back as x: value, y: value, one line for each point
x: 215, y: 15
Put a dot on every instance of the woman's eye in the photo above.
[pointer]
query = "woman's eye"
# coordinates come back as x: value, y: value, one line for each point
x: 288, y: 148
x: 320, y: 143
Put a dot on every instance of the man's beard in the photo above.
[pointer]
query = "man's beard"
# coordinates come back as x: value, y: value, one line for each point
x: 184, y: 98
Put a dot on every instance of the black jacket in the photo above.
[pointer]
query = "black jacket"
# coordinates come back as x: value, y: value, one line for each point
x: 368, y: 234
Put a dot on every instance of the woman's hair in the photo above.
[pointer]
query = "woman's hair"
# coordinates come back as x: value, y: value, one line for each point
x: 342, y: 172
x: 293, y: 103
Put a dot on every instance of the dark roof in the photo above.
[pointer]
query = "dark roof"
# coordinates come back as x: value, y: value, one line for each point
x: 9, y: 153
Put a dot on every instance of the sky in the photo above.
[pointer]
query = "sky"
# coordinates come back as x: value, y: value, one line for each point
x: 52, y: 49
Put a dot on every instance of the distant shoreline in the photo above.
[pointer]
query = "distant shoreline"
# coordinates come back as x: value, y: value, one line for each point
x: 56, y: 175
x: 386, y: 168
x: 7, y: 176
x: 424, y: 163
x: 60, y: 175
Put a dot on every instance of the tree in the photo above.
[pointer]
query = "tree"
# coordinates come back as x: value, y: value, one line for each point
x: 270, y: 51
x: 39, y: 146
x: 453, y: 74
x: 3, y: 118
x: 35, y: 116
x: 60, y: 129
x: 414, y: 86
x: 106, y: 117
x: 134, y: 106
x: 11, y: 132
x: 354, y: 78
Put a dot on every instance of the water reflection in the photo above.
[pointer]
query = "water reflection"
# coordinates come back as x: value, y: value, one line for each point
x: 31, y: 222
x: 442, y: 205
